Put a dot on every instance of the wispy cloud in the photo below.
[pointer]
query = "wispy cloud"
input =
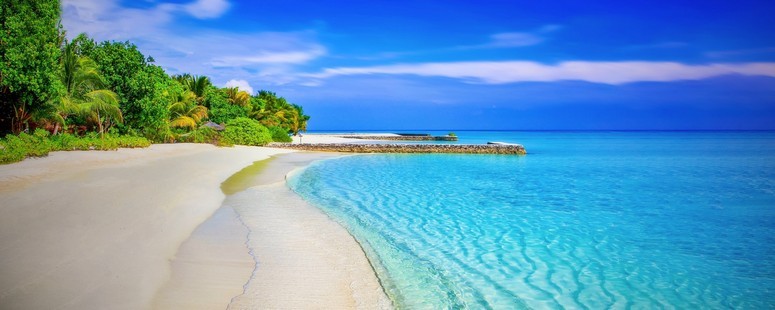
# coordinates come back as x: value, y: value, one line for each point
x: 503, y: 72
x: 657, y: 46
x: 271, y: 57
x: 494, y: 41
x: 260, y: 56
x: 742, y: 52
x: 514, y: 39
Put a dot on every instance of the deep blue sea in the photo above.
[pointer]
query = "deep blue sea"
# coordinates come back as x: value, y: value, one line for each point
x: 586, y: 220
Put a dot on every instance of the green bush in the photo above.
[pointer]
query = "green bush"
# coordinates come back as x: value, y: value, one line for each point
x: 37, y: 144
x: 246, y: 131
x: 279, y: 134
x: 202, y: 135
x: 16, y: 148
x: 13, y: 150
x: 65, y: 142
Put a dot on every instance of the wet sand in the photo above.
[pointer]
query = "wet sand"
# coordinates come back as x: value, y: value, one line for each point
x: 301, y: 258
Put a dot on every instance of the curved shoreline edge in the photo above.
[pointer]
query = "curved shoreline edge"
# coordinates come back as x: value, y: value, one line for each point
x: 288, y: 253
x: 389, y: 302
x: 304, y: 259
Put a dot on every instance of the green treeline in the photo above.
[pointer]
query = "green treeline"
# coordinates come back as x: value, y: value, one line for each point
x: 84, y: 88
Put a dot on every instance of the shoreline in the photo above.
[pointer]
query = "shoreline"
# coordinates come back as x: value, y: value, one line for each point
x: 122, y: 225
x: 301, y: 257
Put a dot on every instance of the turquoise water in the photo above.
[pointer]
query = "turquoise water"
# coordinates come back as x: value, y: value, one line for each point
x: 587, y: 220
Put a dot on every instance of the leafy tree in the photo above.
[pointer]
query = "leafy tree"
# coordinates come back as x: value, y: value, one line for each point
x: 278, y: 112
x: 298, y: 120
x: 85, y: 91
x: 153, y: 113
x: 29, y: 53
x: 184, y: 110
x: 238, y: 97
x: 198, y: 84
x: 140, y: 85
x: 221, y: 110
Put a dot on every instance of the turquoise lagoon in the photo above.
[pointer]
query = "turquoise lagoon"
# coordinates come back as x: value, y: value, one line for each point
x: 587, y: 220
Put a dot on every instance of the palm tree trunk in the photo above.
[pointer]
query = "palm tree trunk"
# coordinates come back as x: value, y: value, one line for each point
x: 99, y: 125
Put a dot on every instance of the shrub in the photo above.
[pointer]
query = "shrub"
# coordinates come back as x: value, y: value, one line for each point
x: 279, y: 134
x: 452, y: 134
x: 65, y: 142
x: 202, y: 135
x: 13, y: 150
x: 246, y: 131
x: 16, y: 148
x: 37, y: 144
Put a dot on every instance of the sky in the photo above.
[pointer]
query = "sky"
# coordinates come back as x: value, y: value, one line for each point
x: 469, y: 65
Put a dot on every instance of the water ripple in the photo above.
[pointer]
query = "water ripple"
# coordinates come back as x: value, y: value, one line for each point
x: 621, y: 225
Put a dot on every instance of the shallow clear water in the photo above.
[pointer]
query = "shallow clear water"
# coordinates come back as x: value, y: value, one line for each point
x: 585, y: 220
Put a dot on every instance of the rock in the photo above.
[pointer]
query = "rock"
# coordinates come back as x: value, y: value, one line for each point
x: 513, y: 149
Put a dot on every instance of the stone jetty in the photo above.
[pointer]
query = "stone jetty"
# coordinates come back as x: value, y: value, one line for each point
x: 512, y: 149
x: 405, y: 137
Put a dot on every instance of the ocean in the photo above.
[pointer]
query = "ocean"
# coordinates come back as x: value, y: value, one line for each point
x: 586, y: 220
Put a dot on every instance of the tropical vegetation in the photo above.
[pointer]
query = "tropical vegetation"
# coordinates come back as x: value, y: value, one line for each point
x: 60, y: 94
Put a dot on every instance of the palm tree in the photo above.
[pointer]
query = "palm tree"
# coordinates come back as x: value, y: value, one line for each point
x: 197, y: 84
x: 185, y: 112
x: 298, y: 120
x: 238, y: 97
x: 85, y: 92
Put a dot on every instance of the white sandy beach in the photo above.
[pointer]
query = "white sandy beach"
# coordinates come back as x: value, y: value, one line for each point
x: 113, y: 230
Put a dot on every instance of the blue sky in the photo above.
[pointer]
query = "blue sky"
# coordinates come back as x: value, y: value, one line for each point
x: 357, y: 65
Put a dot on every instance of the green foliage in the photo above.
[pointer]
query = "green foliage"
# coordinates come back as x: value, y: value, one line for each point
x: 185, y: 110
x: 139, y: 84
x: 37, y: 143
x: 29, y: 54
x: 81, y: 86
x: 246, y: 131
x: 15, y: 148
x: 153, y: 116
x: 85, y: 91
x: 452, y: 134
x: 196, y: 84
x: 280, y: 134
x: 276, y: 111
x: 221, y: 110
x: 202, y: 135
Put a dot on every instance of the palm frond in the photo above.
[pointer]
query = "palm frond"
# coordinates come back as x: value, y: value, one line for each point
x: 105, y: 102
x: 183, y: 122
x: 197, y: 113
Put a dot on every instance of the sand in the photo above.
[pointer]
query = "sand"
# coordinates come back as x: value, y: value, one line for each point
x: 99, y: 230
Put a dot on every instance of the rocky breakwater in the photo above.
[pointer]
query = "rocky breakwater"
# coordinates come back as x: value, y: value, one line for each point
x: 401, y: 138
x: 510, y: 149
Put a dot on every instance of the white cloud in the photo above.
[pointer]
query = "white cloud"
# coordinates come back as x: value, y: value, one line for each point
x: 204, y: 9
x: 614, y: 73
x: 241, y: 84
x: 109, y: 21
x: 271, y: 57
x: 260, y: 57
